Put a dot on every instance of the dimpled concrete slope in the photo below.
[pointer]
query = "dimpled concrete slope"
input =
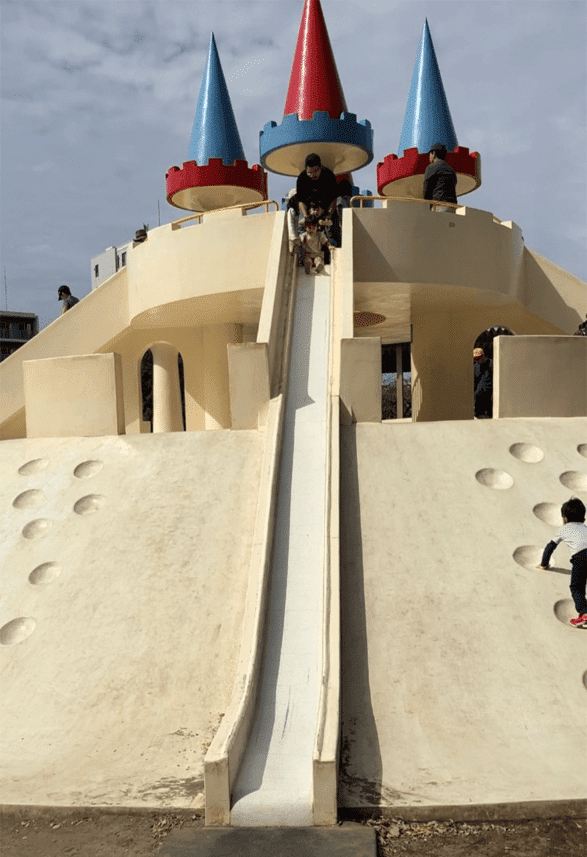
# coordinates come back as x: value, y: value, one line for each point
x: 124, y: 575
x: 462, y: 684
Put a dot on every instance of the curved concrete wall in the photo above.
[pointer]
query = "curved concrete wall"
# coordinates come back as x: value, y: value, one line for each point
x: 407, y: 243
x: 223, y: 254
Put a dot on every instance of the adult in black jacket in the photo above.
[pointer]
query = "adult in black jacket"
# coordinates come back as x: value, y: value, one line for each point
x: 440, y: 180
x: 316, y: 184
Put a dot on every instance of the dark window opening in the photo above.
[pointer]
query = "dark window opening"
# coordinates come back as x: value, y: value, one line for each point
x: 147, y: 387
x: 483, y: 371
x: 96, y: 270
x: 396, y: 367
x: 485, y: 339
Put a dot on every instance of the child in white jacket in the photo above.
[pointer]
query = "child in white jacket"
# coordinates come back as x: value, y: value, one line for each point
x: 574, y: 534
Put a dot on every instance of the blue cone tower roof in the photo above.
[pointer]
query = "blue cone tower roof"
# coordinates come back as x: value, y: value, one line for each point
x: 216, y: 174
x: 214, y: 134
x: 427, y: 120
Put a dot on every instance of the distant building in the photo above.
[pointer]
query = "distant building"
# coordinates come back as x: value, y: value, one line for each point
x: 108, y: 263
x: 16, y: 328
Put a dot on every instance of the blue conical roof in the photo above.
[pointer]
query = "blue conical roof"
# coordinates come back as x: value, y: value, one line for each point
x: 214, y: 134
x: 427, y: 120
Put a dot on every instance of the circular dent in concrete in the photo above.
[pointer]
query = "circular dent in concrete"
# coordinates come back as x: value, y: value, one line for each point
x: 527, y: 452
x: 45, y: 573
x: 550, y: 513
x: 574, y: 480
x: 34, y: 466
x: 582, y: 449
x: 494, y: 478
x: 88, y: 504
x: 37, y: 529
x: 17, y: 630
x: 29, y: 499
x: 528, y: 556
x: 87, y: 469
x: 564, y: 610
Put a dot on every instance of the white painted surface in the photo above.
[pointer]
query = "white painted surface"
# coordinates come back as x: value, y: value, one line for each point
x: 274, y: 784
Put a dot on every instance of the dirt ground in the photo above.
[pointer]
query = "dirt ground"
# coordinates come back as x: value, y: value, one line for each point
x: 57, y: 834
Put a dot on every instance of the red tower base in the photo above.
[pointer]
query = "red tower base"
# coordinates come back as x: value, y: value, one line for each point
x: 402, y: 177
x: 215, y: 185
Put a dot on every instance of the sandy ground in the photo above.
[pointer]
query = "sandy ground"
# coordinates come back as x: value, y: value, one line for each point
x: 141, y: 835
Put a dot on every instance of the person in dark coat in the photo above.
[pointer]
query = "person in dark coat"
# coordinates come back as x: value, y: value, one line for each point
x: 440, y: 180
x: 317, y: 186
x: 483, y: 384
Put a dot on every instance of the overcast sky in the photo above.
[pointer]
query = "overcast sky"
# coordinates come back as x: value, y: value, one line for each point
x: 99, y: 97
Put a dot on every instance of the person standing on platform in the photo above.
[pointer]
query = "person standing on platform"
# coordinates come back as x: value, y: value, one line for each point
x: 483, y: 384
x: 440, y: 180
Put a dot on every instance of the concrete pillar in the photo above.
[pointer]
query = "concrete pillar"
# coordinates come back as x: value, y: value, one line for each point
x: 166, y: 394
x: 248, y: 371
x: 360, y: 380
x: 399, y: 387
x: 76, y: 396
x: 216, y: 338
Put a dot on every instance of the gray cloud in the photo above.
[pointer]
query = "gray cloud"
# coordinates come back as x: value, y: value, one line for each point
x: 99, y: 99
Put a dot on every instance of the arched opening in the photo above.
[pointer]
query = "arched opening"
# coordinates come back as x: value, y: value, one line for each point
x: 485, y: 339
x: 483, y: 370
x: 165, y: 411
x: 147, y: 388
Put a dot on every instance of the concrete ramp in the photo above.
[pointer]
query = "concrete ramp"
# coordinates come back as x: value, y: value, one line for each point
x: 124, y: 567
x: 464, y: 688
x: 274, y: 785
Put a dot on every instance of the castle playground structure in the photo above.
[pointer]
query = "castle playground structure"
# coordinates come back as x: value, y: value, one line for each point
x: 265, y: 601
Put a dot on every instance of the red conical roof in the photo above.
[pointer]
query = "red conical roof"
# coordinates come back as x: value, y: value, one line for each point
x: 314, y: 83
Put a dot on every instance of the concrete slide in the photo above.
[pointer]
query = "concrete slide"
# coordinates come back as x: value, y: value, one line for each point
x: 274, y: 784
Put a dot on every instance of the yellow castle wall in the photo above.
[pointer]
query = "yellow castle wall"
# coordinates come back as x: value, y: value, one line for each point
x: 448, y: 276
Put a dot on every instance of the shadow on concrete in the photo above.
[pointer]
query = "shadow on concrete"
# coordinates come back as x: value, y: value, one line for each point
x: 556, y: 570
x: 537, y: 282
x: 370, y: 262
x: 360, y: 775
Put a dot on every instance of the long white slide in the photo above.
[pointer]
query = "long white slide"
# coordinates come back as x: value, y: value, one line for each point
x: 274, y: 782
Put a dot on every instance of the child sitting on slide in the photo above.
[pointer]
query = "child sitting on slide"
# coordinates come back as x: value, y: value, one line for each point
x: 313, y: 242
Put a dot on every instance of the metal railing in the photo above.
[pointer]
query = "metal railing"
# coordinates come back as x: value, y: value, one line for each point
x: 431, y: 202
x: 245, y: 206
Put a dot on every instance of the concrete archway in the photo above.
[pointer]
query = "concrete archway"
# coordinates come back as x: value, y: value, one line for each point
x: 162, y: 388
x: 483, y: 370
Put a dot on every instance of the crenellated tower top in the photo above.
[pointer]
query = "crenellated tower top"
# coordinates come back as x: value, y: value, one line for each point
x: 315, y: 115
x: 216, y: 173
x: 427, y: 121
